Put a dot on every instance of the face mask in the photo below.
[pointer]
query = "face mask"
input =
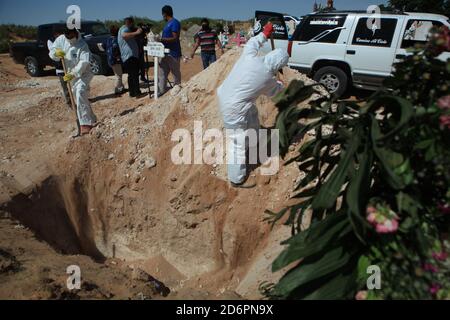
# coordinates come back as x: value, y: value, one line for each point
x: 205, y: 27
x: 73, y: 41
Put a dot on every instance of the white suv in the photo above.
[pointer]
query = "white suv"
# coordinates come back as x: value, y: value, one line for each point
x: 343, y: 48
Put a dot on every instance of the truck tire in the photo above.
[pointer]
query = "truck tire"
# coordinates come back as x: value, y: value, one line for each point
x: 32, y: 66
x: 97, y: 65
x: 334, y: 79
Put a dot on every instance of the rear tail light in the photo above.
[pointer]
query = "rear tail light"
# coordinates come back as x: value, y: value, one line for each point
x: 290, y: 48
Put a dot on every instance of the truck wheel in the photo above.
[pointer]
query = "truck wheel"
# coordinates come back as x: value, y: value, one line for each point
x: 32, y: 66
x: 334, y: 79
x: 96, y: 65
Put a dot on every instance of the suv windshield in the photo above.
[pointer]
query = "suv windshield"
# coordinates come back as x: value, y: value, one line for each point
x: 94, y: 29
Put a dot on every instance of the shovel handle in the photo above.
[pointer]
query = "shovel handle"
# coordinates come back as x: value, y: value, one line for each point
x: 69, y: 86
x: 72, y: 99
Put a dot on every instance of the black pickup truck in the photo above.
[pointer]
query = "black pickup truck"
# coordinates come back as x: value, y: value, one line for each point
x: 34, y: 55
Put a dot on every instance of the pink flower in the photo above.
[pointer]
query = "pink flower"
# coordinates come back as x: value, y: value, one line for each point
x: 440, y: 41
x: 444, y: 208
x: 389, y: 226
x: 361, y: 296
x: 384, y: 220
x: 445, y: 121
x: 372, y: 218
x: 440, y: 256
x: 431, y: 268
x: 444, y: 102
x: 371, y: 209
x: 372, y: 215
x: 435, y: 288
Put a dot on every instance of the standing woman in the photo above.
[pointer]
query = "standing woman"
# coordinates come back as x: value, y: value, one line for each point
x: 114, y: 59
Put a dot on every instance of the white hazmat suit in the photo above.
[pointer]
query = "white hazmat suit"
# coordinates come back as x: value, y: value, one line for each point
x: 251, y: 77
x: 77, y: 59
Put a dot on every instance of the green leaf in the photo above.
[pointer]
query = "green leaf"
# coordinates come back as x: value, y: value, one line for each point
x: 313, y: 240
x: 296, y: 92
x: 315, y: 268
x: 406, y: 112
x: 363, y: 265
x: 405, y: 203
x: 330, y: 191
x: 425, y: 144
x: 388, y: 158
x: 338, y: 287
x: 273, y: 218
x: 358, y: 188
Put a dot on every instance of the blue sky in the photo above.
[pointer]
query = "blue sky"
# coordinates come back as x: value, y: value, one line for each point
x: 32, y: 12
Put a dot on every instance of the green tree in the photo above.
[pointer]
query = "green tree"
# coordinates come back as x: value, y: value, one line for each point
x: 432, y: 6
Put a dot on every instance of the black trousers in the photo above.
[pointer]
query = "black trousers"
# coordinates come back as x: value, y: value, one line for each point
x: 142, y: 66
x: 132, y: 66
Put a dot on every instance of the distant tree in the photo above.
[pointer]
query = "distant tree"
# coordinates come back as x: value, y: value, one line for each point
x: 12, y: 32
x: 432, y: 6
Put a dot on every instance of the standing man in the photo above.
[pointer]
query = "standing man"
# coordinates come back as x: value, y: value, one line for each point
x: 129, y: 51
x: 142, y: 42
x: 171, y: 40
x: 207, y: 40
x: 252, y: 76
x: 76, y: 54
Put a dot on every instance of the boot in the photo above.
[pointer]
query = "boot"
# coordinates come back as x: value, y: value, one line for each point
x: 250, y: 183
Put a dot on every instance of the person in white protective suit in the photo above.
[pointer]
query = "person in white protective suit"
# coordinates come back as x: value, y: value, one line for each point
x: 251, y: 77
x: 76, y: 54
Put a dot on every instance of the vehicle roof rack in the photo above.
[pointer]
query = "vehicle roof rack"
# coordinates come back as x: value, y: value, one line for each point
x: 331, y: 11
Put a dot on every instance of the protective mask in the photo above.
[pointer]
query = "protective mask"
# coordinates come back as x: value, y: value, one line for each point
x: 73, y: 41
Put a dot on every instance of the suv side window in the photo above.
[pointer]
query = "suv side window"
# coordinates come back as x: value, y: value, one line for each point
x: 418, y: 31
x: 375, y: 37
x: 313, y: 26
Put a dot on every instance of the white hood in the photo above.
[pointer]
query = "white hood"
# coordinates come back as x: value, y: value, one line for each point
x: 276, y: 60
x: 251, y: 77
x: 77, y: 56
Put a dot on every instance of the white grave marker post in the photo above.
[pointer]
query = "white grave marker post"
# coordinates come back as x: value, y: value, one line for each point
x: 157, y: 51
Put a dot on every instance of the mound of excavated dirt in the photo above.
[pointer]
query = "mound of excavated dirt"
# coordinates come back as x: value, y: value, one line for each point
x: 117, y: 194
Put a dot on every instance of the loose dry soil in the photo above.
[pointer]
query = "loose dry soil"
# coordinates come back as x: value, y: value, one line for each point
x: 115, y: 204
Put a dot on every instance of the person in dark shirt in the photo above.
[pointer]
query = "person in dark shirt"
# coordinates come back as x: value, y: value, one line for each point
x: 142, y: 41
x: 207, y: 40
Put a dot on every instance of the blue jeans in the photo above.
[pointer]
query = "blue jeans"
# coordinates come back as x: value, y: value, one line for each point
x: 208, y: 58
